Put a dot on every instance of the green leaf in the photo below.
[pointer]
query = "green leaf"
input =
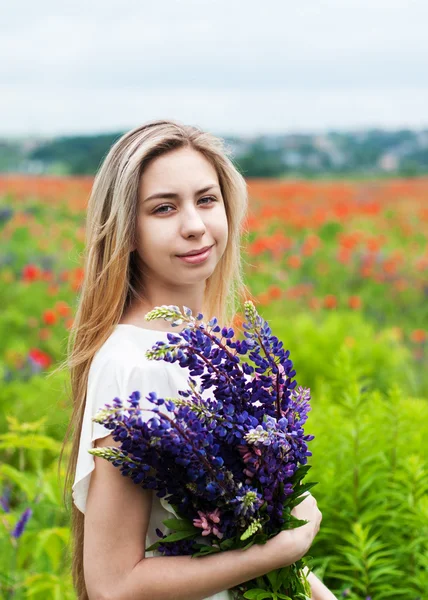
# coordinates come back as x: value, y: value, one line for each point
x: 227, y: 544
x: 173, y: 537
x: 154, y: 546
x: 261, y: 583
x: 284, y: 576
x: 179, y: 535
x: 29, y: 442
x: 40, y: 582
x: 293, y: 522
x: 15, y: 426
x: 6, y: 579
x: 204, y: 550
x: 273, y: 580
x: 27, y: 482
x: 53, y: 542
x: 180, y: 525
x: 254, y: 594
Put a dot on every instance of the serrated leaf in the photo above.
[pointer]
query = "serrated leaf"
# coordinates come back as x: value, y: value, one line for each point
x: 30, y: 442
x: 15, y: 426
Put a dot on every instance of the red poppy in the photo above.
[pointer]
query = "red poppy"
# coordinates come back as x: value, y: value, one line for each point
x: 49, y: 317
x: 31, y: 273
x: 330, y: 301
x: 40, y: 357
x: 354, y: 302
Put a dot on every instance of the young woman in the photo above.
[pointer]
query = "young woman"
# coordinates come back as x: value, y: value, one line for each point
x: 163, y: 227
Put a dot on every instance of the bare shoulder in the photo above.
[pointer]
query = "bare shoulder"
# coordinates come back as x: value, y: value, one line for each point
x: 116, y: 523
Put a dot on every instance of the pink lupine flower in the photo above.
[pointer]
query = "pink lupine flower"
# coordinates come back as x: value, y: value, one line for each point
x: 207, y: 523
x: 202, y: 523
x: 249, y: 456
x: 215, y: 516
x: 217, y: 532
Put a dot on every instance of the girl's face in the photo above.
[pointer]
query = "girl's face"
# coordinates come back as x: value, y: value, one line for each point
x: 180, y: 219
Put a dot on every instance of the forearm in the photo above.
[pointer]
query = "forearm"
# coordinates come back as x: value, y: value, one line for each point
x: 187, y: 578
x: 318, y: 590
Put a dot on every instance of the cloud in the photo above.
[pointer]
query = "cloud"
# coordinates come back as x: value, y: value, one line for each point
x: 43, y: 110
x: 122, y: 55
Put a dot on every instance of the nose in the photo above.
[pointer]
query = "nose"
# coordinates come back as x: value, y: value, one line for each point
x: 192, y: 223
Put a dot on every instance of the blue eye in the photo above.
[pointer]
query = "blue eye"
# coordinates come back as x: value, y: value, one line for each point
x: 161, y: 212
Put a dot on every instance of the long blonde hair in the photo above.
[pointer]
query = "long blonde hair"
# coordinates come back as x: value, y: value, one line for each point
x: 111, y: 273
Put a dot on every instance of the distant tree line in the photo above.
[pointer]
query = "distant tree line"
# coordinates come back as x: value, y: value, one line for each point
x: 374, y: 152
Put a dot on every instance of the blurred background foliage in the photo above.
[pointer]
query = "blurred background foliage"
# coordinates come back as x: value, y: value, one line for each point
x: 339, y: 269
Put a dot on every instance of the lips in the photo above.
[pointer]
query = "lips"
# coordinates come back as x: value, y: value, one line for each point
x: 196, y: 259
x: 196, y: 252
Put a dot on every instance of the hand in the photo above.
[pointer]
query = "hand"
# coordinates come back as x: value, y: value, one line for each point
x: 290, y: 545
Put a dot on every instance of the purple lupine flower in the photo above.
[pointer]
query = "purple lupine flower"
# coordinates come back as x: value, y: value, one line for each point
x: 238, y: 454
x: 4, y: 500
x: 346, y: 592
x: 248, y: 501
x: 19, y: 527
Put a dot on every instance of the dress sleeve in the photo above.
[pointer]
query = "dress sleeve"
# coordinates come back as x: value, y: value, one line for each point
x: 113, y: 377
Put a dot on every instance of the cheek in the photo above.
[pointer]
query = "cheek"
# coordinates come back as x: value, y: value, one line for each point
x: 147, y: 240
x: 222, y: 232
x: 155, y: 240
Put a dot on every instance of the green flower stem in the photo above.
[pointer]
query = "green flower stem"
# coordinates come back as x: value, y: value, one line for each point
x: 278, y: 389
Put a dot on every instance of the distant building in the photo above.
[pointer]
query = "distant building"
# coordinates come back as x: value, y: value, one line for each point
x: 388, y: 162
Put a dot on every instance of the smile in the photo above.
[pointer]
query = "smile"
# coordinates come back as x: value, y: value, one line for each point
x: 196, y: 258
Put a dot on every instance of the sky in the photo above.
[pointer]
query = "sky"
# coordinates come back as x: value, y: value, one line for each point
x: 240, y: 67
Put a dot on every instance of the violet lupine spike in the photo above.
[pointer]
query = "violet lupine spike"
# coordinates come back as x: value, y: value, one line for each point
x: 18, y: 530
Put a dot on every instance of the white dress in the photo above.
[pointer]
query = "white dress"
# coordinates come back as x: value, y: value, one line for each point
x: 119, y: 368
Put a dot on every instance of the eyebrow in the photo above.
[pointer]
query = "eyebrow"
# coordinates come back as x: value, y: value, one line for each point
x: 173, y: 195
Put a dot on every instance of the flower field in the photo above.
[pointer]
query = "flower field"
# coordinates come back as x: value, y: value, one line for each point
x: 340, y: 271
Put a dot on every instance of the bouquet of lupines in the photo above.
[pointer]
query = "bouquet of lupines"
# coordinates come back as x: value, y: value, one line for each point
x: 231, y: 465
